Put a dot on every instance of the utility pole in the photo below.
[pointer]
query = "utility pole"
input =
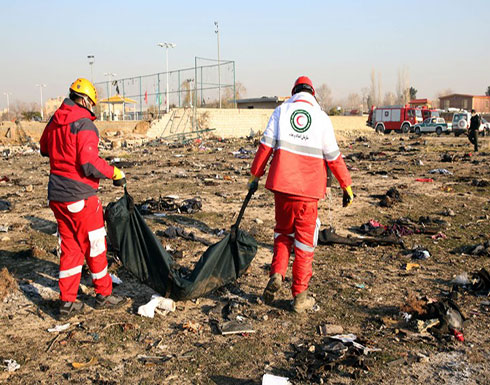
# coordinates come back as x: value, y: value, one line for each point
x: 110, y: 75
x: 8, y: 104
x: 219, y: 67
x: 167, y: 46
x: 41, y: 86
x: 91, y: 60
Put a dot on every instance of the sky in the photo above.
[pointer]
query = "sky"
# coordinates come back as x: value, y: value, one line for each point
x: 442, y: 44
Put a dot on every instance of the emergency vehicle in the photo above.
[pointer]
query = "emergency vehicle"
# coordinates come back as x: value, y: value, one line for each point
x: 394, y: 118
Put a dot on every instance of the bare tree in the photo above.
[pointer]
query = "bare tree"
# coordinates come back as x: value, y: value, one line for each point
x: 372, y: 91
x: 324, y: 96
x: 229, y: 98
x: 403, y: 86
x: 379, y: 88
x: 354, y: 102
x: 389, y: 99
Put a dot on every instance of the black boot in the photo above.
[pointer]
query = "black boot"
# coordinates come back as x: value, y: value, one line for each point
x: 109, y: 301
x: 69, y: 309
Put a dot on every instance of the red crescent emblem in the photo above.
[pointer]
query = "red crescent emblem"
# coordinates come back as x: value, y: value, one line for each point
x: 297, y: 120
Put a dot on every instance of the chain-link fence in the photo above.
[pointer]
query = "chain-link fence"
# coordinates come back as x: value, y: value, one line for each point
x: 148, y: 96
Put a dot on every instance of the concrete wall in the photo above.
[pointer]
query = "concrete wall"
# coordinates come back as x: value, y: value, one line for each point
x: 226, y: 123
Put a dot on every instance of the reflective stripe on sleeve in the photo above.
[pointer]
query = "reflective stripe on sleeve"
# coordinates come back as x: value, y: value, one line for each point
x: 70, y: 272
x: 303, y: 247
x: 100, y: 275
x: 288, y: 235
x: 331, y: 156
x: 268, y: 141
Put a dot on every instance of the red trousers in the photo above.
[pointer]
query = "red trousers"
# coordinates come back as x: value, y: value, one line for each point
x: 82, y: 236
x: 296, y: 224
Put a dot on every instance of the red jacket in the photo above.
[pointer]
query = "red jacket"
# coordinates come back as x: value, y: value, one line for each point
x: 301, y: 139
x: 71, y: 140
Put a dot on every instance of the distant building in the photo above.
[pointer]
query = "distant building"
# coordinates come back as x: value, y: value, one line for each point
x: 420, y: 103
x: 480, y: 104
x: 264, y: 102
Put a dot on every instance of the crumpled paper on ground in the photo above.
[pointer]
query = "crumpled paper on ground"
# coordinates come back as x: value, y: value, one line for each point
x: 156, y: 302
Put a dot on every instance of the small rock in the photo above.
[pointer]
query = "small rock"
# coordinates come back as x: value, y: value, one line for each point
x: 449, y: 213
x: 330, y: 329
x: 29, y: 188
x: 5, y: 239
x: 259, y: 221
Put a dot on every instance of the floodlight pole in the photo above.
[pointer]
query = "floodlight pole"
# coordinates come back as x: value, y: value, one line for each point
x: 8, y: 104
x: 110, y: 75
x: 219, y: 67
x: 167, y: 46
x: 91, y: 60
x: 41, y: 86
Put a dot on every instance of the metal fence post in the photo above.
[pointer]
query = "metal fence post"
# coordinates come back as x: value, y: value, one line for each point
x: 234, y: 85
x: 141, y: 106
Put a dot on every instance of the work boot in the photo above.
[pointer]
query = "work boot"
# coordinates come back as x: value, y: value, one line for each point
x: 303, y: 302
x: 272, y: 287
x: 109, y: 301
x: 69, y: 309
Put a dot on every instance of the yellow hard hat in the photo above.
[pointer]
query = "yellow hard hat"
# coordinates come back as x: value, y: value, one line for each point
x: 85, y: 87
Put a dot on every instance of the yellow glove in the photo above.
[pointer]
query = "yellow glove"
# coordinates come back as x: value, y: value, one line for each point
x: 253, y: 183
x: 348, y: 196
x: 118, y: 179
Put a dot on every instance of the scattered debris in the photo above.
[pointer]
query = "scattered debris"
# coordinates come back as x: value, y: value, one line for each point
x: 153, y: 360
x: 11, y: 365
x: 480, y: 183
x: 330, y: 329
x: 115, y: 279
x: 5, y: 205
x: 156, y: 302
x: 439, y: 236
x: 269, y: 379
x: 80, y: 365
x: 440, y: 318
x: 441, y: 171
x: 329, y: 237
x: 174, y: 232
x: 410, y: 266
x: 59, y: 328
x: 236, y: 327
x: 313, y: 362
x: 193, y: 327
x: 391, y: 197
x: 448, y: 212
x: 169, y: 204
x: 419, y: 253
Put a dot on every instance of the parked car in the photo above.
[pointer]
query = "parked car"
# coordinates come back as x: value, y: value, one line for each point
x: 437, y: 125
x: 461, y: 124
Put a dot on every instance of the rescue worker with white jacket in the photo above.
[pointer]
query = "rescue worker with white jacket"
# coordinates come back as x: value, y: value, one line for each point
x: 301, y: 139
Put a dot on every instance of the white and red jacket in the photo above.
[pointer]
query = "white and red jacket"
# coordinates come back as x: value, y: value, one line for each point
x: 301, y: 137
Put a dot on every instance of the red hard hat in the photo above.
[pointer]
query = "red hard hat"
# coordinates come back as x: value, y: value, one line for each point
x: 304, y: 80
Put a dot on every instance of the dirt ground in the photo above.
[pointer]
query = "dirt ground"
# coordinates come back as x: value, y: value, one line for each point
x: 360, y: 289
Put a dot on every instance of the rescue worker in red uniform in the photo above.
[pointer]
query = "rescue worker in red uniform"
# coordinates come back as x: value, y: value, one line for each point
x: 70, y: 140
x: 301, y: 139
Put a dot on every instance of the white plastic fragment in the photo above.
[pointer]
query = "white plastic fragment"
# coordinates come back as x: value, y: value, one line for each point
x: 11, y: 365
x: 270, y: 379
x: 115, y: 279
x: 59, y: 328
x: 157, y: 301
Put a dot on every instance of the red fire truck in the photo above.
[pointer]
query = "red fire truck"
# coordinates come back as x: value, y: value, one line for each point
x: 394, y: 118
